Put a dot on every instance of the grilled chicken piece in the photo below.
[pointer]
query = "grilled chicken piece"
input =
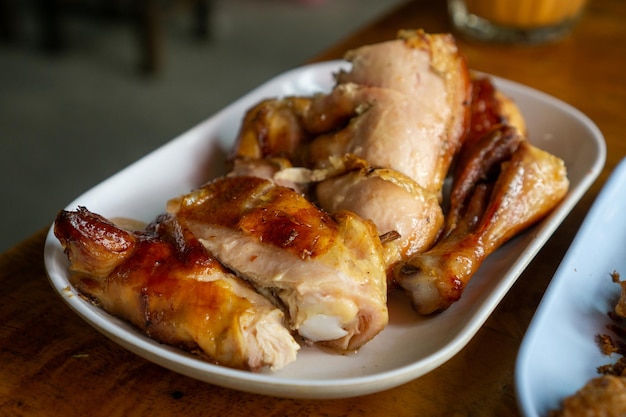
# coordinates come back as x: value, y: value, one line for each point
x: 479, y: 162
x: 489, y: 109
x: 391, y: 130
x: 273, y: 128
x: 327, y: 271
x: 430, y: 71
x: 402, y: 108
x: 409, y: 216
x: 512, y: 195
x: 351, y: 184
x: 163, y: 281
x: 403, y: 105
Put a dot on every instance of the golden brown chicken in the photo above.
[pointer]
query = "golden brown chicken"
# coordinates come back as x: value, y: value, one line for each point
x: 163, y: 281
x: 403, y: 105
x: 275, y: 128
x: 602, y: 396
x: 327, y: 271
x: 327, y: 195
x: 518, y: 186
x: 490, y: 108
x: 411, y: 97
x: 402, y: 109
x: 407, y: 217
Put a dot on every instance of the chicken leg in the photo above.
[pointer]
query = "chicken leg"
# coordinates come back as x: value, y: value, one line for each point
x: 527, y: 186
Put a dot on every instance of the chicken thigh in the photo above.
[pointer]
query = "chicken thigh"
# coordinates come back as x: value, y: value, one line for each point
x: 328, y: 272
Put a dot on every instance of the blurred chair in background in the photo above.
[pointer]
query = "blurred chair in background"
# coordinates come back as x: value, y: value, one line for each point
x: 145, y: 17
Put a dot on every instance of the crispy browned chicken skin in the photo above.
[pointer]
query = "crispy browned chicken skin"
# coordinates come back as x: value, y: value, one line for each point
x: 328, y: 271
x: 164, y: 282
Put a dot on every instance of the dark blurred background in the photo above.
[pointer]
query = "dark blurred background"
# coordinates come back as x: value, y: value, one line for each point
x: 89, y: 86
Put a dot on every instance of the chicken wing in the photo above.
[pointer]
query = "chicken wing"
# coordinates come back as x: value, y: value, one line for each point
x: 163, y: 281
x: 274, y: 128
x: 327, y: 271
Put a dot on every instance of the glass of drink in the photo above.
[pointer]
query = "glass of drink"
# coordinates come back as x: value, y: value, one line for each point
x: 515, y: 21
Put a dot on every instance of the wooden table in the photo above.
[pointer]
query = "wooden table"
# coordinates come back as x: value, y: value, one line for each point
x: 54, y: 364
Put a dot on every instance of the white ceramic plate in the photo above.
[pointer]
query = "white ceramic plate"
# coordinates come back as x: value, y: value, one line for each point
x: 559, y: 353
x: 410, y: 346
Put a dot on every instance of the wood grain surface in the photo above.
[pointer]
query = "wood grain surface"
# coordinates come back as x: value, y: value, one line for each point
x: 54, y: 364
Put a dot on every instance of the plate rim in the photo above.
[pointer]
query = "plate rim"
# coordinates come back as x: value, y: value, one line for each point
x: 526, y: 402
